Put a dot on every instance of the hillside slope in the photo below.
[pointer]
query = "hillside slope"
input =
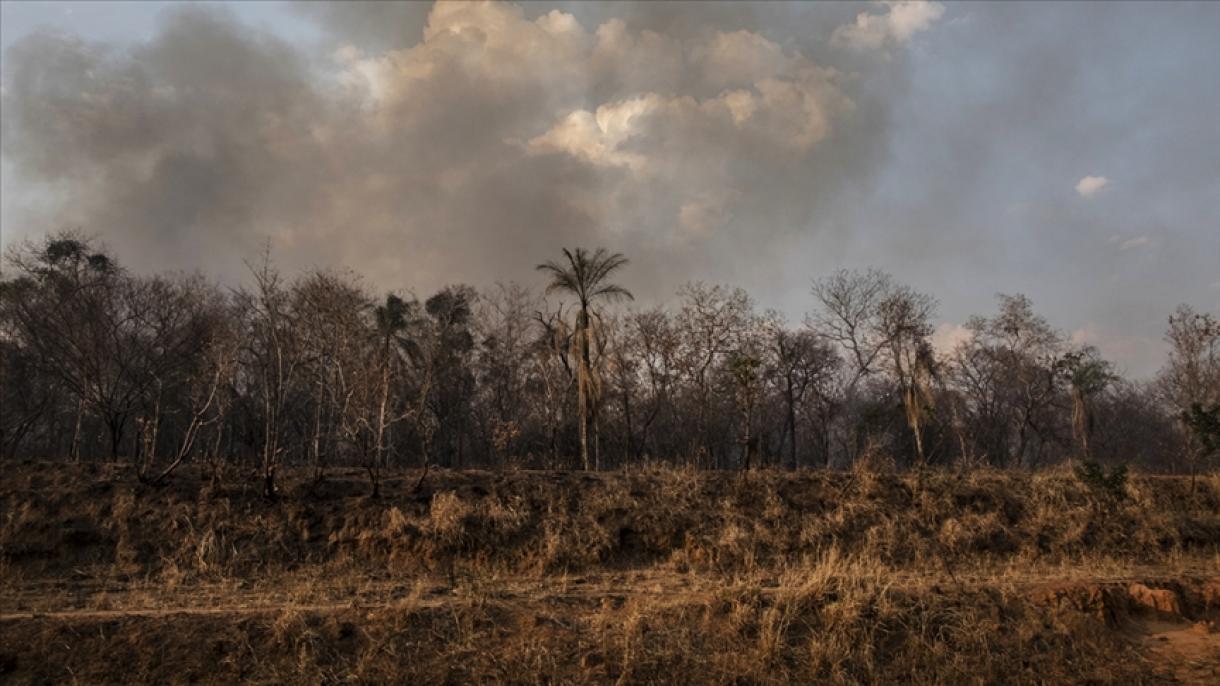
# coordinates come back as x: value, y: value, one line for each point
x: 652, y: 575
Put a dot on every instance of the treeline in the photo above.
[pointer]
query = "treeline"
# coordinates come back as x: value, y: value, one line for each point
x: 101, y: 363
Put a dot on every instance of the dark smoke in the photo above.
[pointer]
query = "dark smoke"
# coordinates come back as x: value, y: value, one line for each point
x: 194, y: 148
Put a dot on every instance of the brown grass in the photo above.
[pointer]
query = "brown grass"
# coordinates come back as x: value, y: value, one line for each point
x: 655, y: 575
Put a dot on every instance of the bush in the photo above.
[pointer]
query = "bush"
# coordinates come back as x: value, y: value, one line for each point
x: 1108, y: 487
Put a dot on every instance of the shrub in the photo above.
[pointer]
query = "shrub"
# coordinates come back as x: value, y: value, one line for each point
x: 1105, y: 486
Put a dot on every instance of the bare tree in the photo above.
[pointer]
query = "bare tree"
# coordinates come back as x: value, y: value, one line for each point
x: 552, y: 366
x: 172, y: 325
x: 881, y: 325
x: 273, y: 358
x: 315, y: 371
x: 1006, y: 373
x: 711, y: 325
x: 206, y: 388
x: 115, y: 341
x: 804, y: 363
x: 1192, y: 373
x: 848, y: 318
x: 27, y: 394
x: 656, y: 348
x: 371, y: 383
x: 504, y: 329
x: 744, y: 368
x: 905, y: 320
x: 63, y: 307
x: 1190, y: 380
x: 331, y: 312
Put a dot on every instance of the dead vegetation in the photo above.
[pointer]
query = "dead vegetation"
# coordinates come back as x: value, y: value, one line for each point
x: 90, y: 522
x: 658, y: 574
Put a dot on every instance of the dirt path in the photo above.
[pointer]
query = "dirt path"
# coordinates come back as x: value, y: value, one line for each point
x: 91, y: 599
x: 1191, y: 652
x: 99, y: 601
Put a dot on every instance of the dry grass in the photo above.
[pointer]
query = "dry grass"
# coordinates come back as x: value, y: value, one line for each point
x: 657, y: 574
x: 545, y: 523
x: 838, y: 623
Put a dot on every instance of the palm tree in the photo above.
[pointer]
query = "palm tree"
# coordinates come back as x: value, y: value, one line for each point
x: 585, y: 276
x: 1087, y: 375
x: 391, y: 321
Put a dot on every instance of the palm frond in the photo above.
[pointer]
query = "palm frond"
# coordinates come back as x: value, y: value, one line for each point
x: 613, y: 291
x: 562, y: 278
x: 605, y: 264
x: 585, y: 274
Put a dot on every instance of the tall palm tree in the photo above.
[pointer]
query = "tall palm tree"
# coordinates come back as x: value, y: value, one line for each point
x: 1087, y: 375
x: 585, y: 276
x: 391, y: 321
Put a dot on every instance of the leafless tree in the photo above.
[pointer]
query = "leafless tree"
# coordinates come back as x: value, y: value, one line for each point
x: 711, y: 325
x: 804, y: 365
x: 332, y: 315
x: 206, y: 387
x: 273, y: 357
x: 1005, y: 372
x: 1190, y: 380
x: 505, y: 331
x: 315, y: 371
x: 881, y: 325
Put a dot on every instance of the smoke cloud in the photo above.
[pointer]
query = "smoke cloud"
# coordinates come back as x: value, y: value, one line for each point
x: 461, y: 142
x: 1064, y: 151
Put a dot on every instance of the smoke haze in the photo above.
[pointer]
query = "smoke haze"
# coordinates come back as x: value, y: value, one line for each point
x: 758, y: 144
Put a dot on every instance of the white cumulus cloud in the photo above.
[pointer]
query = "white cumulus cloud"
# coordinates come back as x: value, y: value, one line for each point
x: 901, y: 20
x: 1091, y: 185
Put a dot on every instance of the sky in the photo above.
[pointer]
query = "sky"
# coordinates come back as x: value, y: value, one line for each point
x: 1067, y: 151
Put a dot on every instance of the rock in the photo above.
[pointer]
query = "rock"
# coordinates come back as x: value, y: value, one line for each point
x: 1160, y: 600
